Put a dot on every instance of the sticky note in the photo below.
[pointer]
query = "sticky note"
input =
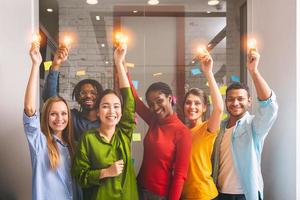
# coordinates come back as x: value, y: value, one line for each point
x: 223, y: 89
x: 224, y: 116
x: 174, y: 98
x: 130, y: 65
x: 135, y: 84
x: 80, y: 73
x: 47, y: 65
x: 195, y: 71
x: 209, y: 99
x: 136, y: 137
x: 136, y: 119
x: 235, y: 78
x: 157, y: 74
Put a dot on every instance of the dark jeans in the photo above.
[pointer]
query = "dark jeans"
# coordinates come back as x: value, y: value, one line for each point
x: 148, y: 195
x: 223, y: 196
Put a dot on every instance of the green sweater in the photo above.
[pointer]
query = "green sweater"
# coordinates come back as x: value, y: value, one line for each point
x: 95, y: 153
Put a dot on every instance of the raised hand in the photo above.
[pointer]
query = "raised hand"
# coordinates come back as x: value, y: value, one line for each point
x: 114, y: 170
x: 205, y: 60
x: 253, y: 60
x: 120, y: 53
x: 35, y: 54
x: 60, y: 56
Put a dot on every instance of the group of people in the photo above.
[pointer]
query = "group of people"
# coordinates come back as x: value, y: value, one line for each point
x: 86, y: 153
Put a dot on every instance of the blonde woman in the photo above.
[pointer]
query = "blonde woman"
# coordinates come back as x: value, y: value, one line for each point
x: 50, y: 141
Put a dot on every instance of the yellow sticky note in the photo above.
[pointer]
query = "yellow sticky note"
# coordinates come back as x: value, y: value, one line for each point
x: 224, y: 116
x: 136, y: 137
x: 80, y: 73
x: 209, y: 99
x: 157, y: 74
x: 47, y: 65
x: 130, y: 65
x: 223, y: 89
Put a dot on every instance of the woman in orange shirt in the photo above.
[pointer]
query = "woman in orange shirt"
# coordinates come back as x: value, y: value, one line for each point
x: 199, y: 183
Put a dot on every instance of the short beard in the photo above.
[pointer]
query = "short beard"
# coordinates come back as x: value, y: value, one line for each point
x: 85, y: 108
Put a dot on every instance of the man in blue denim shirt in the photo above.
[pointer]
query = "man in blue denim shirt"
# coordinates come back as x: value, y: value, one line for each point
x: 86, y: 93
x: 238, y: 147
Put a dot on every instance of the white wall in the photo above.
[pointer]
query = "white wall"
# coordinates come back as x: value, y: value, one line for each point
x: 274, y: 24
x: 16, y: 25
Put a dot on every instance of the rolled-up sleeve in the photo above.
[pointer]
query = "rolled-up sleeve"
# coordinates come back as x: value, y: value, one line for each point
x: 32, y: 129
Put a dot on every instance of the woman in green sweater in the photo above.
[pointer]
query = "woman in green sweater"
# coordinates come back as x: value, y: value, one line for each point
x: 102, y: 164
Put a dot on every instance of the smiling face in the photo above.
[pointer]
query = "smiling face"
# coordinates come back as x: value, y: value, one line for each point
x: 110, y: 110
x: 237, y: 102
x: 159, y: 104
x: 58, y: 117
x: 88, y: 97
x: 194, y: 108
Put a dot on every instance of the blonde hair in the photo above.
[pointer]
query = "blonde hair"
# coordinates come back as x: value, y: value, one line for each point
x: 67, y: 134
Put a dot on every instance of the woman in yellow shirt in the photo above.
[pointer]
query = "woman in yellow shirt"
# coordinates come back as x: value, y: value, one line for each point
x: 199, y: 183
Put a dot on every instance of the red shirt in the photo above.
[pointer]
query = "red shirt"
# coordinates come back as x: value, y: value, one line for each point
x: 167, y: 147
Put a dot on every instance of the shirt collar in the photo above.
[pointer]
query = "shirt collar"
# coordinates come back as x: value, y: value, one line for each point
x: 245, y: 117
x: 58, y: 140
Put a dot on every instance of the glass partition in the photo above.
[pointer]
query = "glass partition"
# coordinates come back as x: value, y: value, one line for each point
x: 163, y: 41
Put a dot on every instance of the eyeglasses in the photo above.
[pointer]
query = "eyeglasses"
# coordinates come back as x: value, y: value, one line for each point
x: 85, y: 93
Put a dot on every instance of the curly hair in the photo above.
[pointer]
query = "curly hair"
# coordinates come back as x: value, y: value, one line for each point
x: 77, y: 88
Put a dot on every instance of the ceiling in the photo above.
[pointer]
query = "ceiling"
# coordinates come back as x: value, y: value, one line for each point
x: 198, y: 8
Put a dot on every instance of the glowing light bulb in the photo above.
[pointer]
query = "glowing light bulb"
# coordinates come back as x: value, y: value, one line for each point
x: 36, y: 38
x: 121, y: 39
x: 202, y: 51
x: 252, y: 43
x: 67, y: 41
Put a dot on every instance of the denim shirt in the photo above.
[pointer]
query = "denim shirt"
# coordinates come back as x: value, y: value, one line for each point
x: 48, y: 184
x: 247, y: 142
x: 80, y: 123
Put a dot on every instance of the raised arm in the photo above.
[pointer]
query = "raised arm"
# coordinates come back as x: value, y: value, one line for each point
x: 262, y: 88
x: 267, y: 110
x: 217, y: 101
x: 50, y: 88
x: 31, y: 89
x: 126, y: 123
x: 142, y: 110
x: 119, y: 56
